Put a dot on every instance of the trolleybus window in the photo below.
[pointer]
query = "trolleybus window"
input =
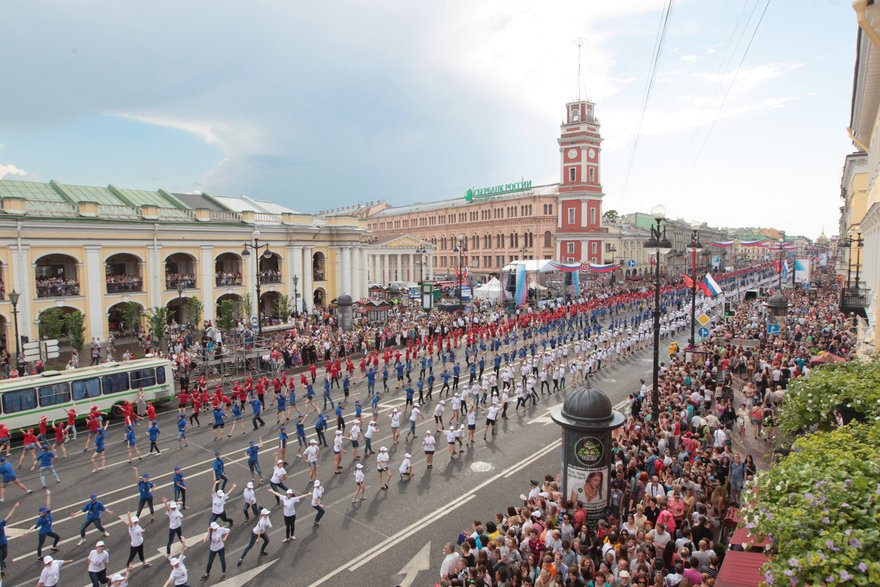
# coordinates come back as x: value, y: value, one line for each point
x: 57, y: 393
x: 114, y: 383
x: 160, y: 374
x: 143, y: 378
x: 86, y: 388
x: 19, y: 400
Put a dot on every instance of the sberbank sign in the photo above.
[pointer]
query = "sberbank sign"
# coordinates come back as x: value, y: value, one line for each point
x: 504, y: 188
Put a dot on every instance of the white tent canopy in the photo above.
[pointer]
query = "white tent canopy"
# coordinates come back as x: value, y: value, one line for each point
x: 535, y: 285
x: 490, y: 291
x: 532, y: 265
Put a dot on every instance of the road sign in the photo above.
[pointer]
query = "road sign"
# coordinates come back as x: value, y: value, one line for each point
x: 703, y: 332
x: 51, y: 348
x: 773, y: 329
x: 31, y: 346
x: 703, y: 319
x: 31, y: 355
x: 631, y: 263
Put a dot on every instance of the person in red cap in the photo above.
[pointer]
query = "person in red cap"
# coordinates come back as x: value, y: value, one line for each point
x: 4, y: 439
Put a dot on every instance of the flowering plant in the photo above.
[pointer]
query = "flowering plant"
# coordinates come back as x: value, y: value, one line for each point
x: 819, y: 507
x: 810, y: 401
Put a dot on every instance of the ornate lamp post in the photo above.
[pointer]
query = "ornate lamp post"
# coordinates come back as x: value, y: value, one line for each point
x: 460, y: 248
x: 257, y: 247
x: 657, y: 245
x: 421, y: 251
x: 295, y: 296
x: 13, y: 298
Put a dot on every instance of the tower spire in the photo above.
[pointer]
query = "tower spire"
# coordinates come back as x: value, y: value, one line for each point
x: 580, y: 42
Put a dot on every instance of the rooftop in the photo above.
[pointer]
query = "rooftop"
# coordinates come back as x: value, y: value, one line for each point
x: 539, y: 190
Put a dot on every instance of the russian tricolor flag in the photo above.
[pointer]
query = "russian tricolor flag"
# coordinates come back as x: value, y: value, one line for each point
x: 710, y: 287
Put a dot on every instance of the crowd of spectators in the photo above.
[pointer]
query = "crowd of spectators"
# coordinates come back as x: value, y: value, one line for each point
x: 50, y: 287
x: 270, y: 276
x: 228, y: 278
x: 676, y: 482
x: 172, y: 280
x: 122, y: 283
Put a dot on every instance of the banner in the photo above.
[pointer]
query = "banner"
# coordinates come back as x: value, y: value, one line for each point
x: 575, y: 283
x: 722, y: 244
x: 607, y: 268
x: 823, y: 259
x: 802, y: 271
x: 522, y: 291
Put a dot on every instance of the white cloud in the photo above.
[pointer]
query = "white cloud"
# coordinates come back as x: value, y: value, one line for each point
x: 689, y: 58
x: 232, y: 138
x: 749, y: 77
x: 9, y: 169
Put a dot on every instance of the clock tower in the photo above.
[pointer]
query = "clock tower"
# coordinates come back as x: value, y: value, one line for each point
x: 579, y: 231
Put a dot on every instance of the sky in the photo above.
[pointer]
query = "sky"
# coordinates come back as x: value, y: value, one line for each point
x: 318, y: 105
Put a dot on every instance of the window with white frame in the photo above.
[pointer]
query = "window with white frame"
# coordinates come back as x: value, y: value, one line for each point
x: 571, y: 213
x: 569, y: 248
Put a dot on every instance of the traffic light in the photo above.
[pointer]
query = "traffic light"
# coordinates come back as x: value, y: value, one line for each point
x: 728, y: 309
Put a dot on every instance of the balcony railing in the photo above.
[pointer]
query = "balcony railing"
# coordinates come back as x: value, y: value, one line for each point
x: 56, y: 287
x: 187, y: 281
x: 227, y: 279
x: 270, y: 276
x: 124, y: 283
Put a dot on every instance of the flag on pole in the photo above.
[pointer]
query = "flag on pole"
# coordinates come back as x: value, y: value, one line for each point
x: 785, y: 270
x: 688, y: 282
x: 710, y: 287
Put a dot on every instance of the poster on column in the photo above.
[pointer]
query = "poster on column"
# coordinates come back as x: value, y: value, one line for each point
x: 587, y: 472
x: 802, y: 270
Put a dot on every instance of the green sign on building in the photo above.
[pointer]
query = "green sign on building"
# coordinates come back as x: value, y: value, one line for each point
x: 505, y: 188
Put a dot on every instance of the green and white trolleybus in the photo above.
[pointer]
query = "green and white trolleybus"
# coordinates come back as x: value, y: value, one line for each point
x: 24, y: 400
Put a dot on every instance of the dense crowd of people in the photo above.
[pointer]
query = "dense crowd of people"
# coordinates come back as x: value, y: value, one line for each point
x: 676, y: 481
x: 228, y: 278
x: 48, y: 287
x: 122, y: 283
x: 173, y: 280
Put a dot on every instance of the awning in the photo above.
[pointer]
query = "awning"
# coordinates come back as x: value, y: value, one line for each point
x: 741, y: 569
x: 743, y: 537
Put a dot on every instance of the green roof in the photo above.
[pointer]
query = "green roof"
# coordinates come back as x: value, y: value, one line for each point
x: 145, y: 198
x: 86, y: 193
x: 29, y: 190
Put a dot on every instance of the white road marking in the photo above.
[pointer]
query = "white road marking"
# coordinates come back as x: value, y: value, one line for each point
x: 420, y: 562
x: 239, y: 580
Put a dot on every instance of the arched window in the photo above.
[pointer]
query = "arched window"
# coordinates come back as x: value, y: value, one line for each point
x: 548, y: 239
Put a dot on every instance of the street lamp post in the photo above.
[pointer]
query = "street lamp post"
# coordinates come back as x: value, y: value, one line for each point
x: 180, y: 289
x: 421, y: 251
x: 257, y: 247
x: 657, y: 245
x: 694, y: 248
x: 460, y: 248
x: 295, y: 296
x: 859, y: 242
x: 13, y: 298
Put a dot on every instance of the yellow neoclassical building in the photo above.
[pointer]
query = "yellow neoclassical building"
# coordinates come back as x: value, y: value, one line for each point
x: 93, y: 248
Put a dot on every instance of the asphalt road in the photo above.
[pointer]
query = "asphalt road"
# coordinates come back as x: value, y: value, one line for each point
x: 369, y: 543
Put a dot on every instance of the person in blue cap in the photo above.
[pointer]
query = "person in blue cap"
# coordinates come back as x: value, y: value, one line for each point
x: 7, y: 476
x: 145, y: 492
x: 46, y: 459
x: 153, y: 434
x: 253, y: 458
x: 282, y: 444
x: 99, y: 448
x: 4, y: 541
x: 179, y: 487
x: 44, y: 525
x: 92, y: 511
x: 131, y: 443
x: 219, y: 470
x: 181, y: 431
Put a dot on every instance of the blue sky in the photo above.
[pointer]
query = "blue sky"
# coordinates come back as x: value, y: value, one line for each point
x: 325, y: 104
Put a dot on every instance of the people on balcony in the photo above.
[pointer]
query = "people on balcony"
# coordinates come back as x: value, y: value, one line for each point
x: 228, y: 278
x: 50, y: 287
x: 270, y: 276
x: 188, y: 280
x: 121, y: 283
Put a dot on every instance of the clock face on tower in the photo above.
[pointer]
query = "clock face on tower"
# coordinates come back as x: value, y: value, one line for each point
x: 592, y: 153
x: 572, y: 153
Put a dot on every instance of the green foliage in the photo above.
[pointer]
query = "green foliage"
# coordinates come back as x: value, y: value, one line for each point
x: 283, y: 308
x: 810, y: 401
x: 158, y: 318
x: 193, y: 310
x: 229, y: 311
x: 247, y: 305
x: 820, y: 507
x: 75, y: 324
x: 131, y: 315
x: 53, y: 323
x: 610, y: 216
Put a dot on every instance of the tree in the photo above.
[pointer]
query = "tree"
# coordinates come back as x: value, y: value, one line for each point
x: 52, y: 323
x: 819, y: 508
x: 610, y: 216
x: 810, y: 402
x: 158, y: 318
x: 228, y: 313
x: 75, y: 324
x: 193, y: 309
x: 283, y: 308
x: 131, y: 315
x: 247, y: 306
